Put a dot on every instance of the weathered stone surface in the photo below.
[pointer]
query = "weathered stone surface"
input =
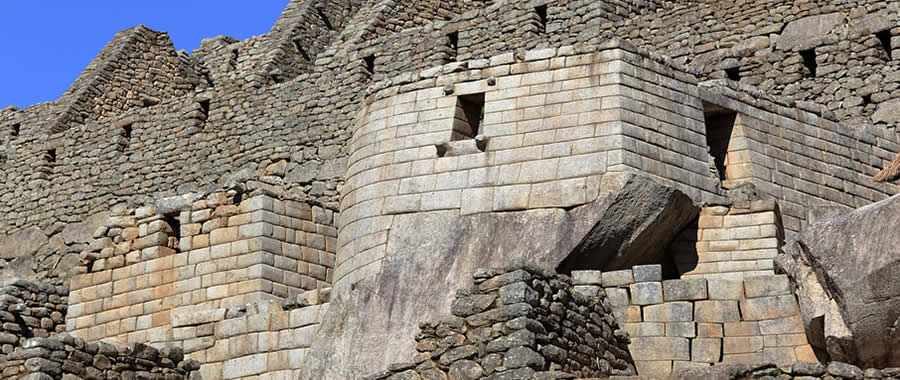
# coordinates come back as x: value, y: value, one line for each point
x: 887, y: 112
x: 806, y: 32
x: 850, y: 281
x: 22, y: 243
x: 684, y: 290
x: 83, y: 232
x: 641, y: 220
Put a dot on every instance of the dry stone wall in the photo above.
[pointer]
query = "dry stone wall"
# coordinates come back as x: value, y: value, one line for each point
x: 517, y: 323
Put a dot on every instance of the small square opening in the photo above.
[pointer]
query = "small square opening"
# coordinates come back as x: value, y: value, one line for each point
x: 15, y: 129
x: 50, y: 156
x: 733, y: 73
x: 541, y: 11
x: 809, y: 60
x: 468, y: 117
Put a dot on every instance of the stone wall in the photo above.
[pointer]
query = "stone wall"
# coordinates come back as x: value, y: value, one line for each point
x: 518, y: 323
x: 30, y: 309
x: 730, y: 242
x: 65, y: 357
x: 184, y: 260
x: 690, y: 322
x: 262, y: 339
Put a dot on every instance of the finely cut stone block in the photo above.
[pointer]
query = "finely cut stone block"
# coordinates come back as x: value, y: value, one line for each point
x: 742, y: 344
x: 660, y: 348
x: 711, y: 330
x: 788, y: 325
x: 586, y: 277
x: 755, y: 309
x: 684, y: 290
x: 670, y: 312
x: 617, y: 278
x: 645, y: 329
x: 764, y: 286
x: 741, y: 329
x: 681, y: 329
x: 707, y: 350
x: 725, y: 289
x: 645, y: 273
x: 653, y: 369
x: 617, y: 296
x: 717, y: 311
x: 646, y: 293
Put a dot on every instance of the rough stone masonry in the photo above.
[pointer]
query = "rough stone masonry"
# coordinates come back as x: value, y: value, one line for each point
x: 465, y: 189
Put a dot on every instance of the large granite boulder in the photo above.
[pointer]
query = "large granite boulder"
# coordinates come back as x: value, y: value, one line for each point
x: 22, y: 243
x: 373, y: 321
x: 845, y: 269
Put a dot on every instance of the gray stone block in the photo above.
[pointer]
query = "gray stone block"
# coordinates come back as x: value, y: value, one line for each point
x: 617, y: 296
x: 670, y: 312
x: 764, y: 286
x: 717, y: 311
x: 660, y: 348
x: 617, y: 278
x: 681, y: 329
x: 684, y: 290
x: 707, y: 350
x: 646, y: 293
x: 645, y: 273
x: 586, y: 277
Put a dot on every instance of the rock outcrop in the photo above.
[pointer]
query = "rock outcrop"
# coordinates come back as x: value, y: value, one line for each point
x: 845, y: 270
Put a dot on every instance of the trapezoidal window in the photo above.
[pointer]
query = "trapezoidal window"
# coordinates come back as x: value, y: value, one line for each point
x: 300, y: 50
x: 733, y: 73
x: 369, y: 67
x: 468, y: 117
x: 125, y: 134
x: 809, y: 61
x: 173, y: 232
x: 541, y: 12
x: 884, y: 37
x: 719, y: 128
x: 15, y: 129
x: 453, y: 46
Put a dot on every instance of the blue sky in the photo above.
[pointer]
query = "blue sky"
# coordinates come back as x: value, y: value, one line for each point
x: 46, y: 44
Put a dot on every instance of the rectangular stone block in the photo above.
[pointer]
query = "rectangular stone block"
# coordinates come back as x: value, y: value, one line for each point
x: 586, y: 277
x: 646, y: 293
x: 725, y: 289
x: 645, y: 273
x: 717, y: 311
x: 669, y: 312
x: 765, y: 286
x: 755, y: 309
x: 684, y: 290
x: 742, y: 344
x: 653, y: 369
x: 711, y: 330
x: 638, y: 329
x: 627, y: 314
x: 787, y: 325
x: 617, y: 296
x: 661, y: 348
x: 750, y: 328
x: 617, y: 278
x: 681, y: 329
x: 706, y: 350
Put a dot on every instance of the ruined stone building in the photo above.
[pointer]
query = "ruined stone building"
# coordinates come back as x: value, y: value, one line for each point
x: 466, y: 189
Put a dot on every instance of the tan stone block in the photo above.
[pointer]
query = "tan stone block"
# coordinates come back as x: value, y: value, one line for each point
x: 637, y: 329
x: 805, y: 353
x: 742, y: 344
x: 658, y: 369
x: 646, y: 293
x: 669, y: 312
x: 710, y: 221
x: 742, y: 329
x: 725, y: 289
x: 787, y: 325
x: 660, y: 348
x: 782, y: 356
x: 716, y: 311
x: 755, y: 309
x: 707, y: 350
x: 765, y: 286
x: 224, y: 235
x: 200, y: 241
x: 710, y: 330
